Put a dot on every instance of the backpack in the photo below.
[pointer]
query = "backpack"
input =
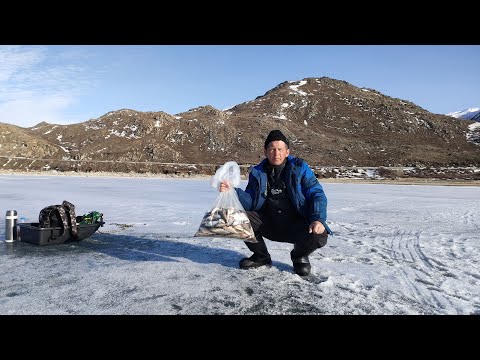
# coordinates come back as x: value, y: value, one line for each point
x: 59, y: 216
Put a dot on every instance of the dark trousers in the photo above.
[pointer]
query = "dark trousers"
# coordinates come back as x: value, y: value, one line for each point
x: 292, y: 228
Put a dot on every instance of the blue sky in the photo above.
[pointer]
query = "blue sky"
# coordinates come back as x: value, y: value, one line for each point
x: 75, y: 83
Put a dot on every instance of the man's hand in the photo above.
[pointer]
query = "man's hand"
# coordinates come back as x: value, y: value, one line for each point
x: 224, y: 186
x: 316, y: 227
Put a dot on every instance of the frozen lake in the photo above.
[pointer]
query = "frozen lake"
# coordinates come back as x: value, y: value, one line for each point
x: 397, y: 249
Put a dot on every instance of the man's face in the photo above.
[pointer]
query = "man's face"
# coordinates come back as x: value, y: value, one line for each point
x: 276, y: 152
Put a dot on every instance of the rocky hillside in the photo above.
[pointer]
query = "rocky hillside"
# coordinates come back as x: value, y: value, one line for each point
x: 17, y: 141
x: 329, y: 122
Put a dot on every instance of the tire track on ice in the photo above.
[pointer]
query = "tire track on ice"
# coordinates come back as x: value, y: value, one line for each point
x: 398, y: 245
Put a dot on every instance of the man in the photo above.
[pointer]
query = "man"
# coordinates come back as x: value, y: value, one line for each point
x: 284, y: 203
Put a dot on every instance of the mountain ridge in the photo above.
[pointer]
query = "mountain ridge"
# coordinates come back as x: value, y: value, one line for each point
x: 329, y: 123
x: 467, y: 114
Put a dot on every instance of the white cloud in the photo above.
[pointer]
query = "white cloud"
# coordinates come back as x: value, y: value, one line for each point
x: 38, y: 83
x: 30, y: 111
x: 14, y: 59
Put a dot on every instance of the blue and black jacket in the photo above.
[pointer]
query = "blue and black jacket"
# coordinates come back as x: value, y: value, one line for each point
x: 305, y: 192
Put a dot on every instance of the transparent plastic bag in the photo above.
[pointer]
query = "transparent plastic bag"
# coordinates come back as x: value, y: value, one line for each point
x: 229, y: 171
x: 227, y: 217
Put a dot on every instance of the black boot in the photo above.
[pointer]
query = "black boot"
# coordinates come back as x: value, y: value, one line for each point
x: 303, y: 249
x: 301, y: 264
x: 260, y: 255
x: 254, y: 261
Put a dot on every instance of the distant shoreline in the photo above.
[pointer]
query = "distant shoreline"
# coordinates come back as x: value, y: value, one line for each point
x: 405, y: 181
x: 105, y: 174
x: 397, y: 181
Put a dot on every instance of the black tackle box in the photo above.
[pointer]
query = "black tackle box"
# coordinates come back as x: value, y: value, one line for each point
x: 32, y: 233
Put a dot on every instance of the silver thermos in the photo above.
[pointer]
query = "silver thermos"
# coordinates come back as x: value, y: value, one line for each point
x: 11, y: 226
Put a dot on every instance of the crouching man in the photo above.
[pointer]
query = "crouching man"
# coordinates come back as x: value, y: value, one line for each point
x: 284, y: 202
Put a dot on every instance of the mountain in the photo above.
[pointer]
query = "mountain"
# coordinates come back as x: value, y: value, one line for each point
x: 468, y: 114
x: 18, y: 141
x: 329, y: 123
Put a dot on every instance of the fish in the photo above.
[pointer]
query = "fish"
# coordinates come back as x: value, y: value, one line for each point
x: 226, y: 222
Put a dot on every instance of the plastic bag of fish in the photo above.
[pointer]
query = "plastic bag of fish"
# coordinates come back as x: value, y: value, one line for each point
x: 226, y: 222
x: 227, y: 217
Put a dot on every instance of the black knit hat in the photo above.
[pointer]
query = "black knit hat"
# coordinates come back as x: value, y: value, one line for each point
x: 276, y: 135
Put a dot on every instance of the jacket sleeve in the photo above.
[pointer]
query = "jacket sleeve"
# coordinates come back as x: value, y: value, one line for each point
x: 314, y: 196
